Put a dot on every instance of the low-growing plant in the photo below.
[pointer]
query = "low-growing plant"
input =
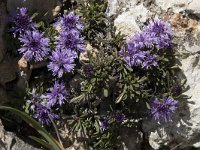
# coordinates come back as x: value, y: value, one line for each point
x: 118, y: 85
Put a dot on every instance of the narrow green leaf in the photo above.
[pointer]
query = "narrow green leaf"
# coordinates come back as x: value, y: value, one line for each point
x: 41, y: 142
x: 105, y: 92
x: 77, y: 99
x: 148, y: 106
x: 119, y: 98
x: 34, y: 15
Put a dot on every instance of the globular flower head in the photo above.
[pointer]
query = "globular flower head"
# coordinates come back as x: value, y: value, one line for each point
x: 142, y: 49
x: 177, y: 89
x: 57, y: 94
x: 159, y: 27
x: 119, y: 117
x: 104, y: 124
x: 43, y: 114
x: 34, y: 97
x: 138, y: 53
x: 161, y: 32
x: 69, y: 22
x: 22, y: 21
x: 163, y: 110
x: 70, y: 40
x: 34, y: 46
x: 88, y: 70
x: 62, y: 61
x: 139, y: 58
x: 140, y: 41
x: 149, y: 60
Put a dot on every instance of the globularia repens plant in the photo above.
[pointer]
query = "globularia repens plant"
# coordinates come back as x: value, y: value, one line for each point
x: 120, y: 83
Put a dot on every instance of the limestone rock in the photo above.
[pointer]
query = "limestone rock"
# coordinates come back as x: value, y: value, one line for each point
x: 9, y: 141
x: 3, y: 96
x: 8, y: 72
x: 176, y: 4
x: 131, y: 138
x: 127, y: 21
x: 115, y: 7
x: 194, y: 7
x: 3, y: 16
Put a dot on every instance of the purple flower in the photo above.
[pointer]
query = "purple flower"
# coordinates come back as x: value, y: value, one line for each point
x: 119, y: 117
x: 143, y: 59
x: 161, y: 32
x: 104, y: 125
x: 22, y: 21
x: 57, y: 95
x: 69, y: 22
x: 88, y: 70
x: 141, y: 50
x: 34, y: 46
x: 159, y: 27
x: 62, y: 61
x: 43, y: 114
x: 149, y: 60
x: 177, y: 89
x: 34, y: 97
x: 163, y: 110
x: 70, y: 40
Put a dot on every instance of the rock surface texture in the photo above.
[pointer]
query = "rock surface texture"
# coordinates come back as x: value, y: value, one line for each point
x: 9, y: 141
x: 2, y: 29
x: 184, y: 17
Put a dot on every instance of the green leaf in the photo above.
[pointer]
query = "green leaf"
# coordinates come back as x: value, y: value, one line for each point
x: 119, y: 98
x: 148, y: 106
x: 105, y: 92
x: 142, y: 79
x: 77, y: 99
x: 41, y: 142
x: 34, y: 15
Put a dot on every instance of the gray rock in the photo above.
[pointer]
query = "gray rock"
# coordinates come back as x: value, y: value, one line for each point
x: 195, y: 7
x: 9, y: 141
x: 131, y: 138
x: 127, y: 21
x: 3, y: 96
x: 3, y: 21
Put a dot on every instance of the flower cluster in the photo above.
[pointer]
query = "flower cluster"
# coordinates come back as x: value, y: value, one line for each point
x: 41, y: 104
x: 44, y: 114
x: 68, y: 43
x: 70, y: 40
x: 39, y: 108
x: 141, y: 49
x: 57, y: 94
x: 106, y: 122
x: 22, y: 22
x: 177, y: 89
x: 34, y: 45
x: 119, y: 117
x: 62, y: 61
x: 161, y: 34
x: 69, y: 22
x: 163, y: 110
